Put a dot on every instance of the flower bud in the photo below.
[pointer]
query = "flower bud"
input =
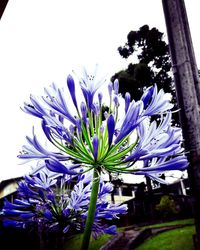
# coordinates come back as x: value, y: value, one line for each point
x: 116, y: 101
x: 71, y: 87
x: 110, y: 88
x: 111, y: 128
x: 95, y: 143
x: 84, y: 111
x: 100, y: 96
x: 116, y: 86
x: 127, y: 101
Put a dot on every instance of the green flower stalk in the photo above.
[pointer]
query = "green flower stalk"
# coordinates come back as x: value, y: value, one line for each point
x: 91, y: 211
x: 110, y: 142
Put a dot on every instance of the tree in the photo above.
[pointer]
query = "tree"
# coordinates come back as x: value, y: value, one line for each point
x: 167, y: 207
x: 153, y: 64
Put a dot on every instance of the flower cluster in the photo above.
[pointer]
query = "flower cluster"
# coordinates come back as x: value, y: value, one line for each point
x: 92, y: 134
x: 112, y: 141
x: 59, y: 203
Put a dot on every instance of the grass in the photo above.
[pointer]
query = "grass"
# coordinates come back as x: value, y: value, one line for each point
x: 75, y: 243
x: 165, y: 241
x: 172, y: 223
x: 176, y: 239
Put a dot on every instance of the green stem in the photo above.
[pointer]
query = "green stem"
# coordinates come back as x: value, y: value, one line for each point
x: 91, y: 211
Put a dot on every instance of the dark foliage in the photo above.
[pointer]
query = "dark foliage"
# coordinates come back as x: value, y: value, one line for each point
x: 153, y: 64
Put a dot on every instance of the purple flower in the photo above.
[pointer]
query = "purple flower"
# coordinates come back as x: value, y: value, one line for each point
x: 56, y: 166
x: 162, y: 165
x: 95, y: 143
x: 106, y: 211
x: 35, y: 108
x: 48, y: 215
x: 116, y: 101
x: 100, y: 96
x: 71, y: 87
x: 111, y: 128
x: 131, y: 120
x: 111, y: 230
x: 156, y: 141
x: 58, y: 129
x: 146, y: 97
x: 89, y: 85
x: 34, y: 150
x: 55, y: 100
x: 41, y: 180
x: 96, y: 109
x: 11, y: 223
x: 116, y: 86
x: 110, y: 88
x: 158, y: 102
x: 25, y: 190
x: 78, y: 126
x: 9, y: 205
x: 66, y: 229
x: 84, y: 112
x: 87, y: 141
x: 104, y: 189
x: 98, y: 229
x: 127, y: 101
x: 47, y: 131
x: 110, y: 211
x: 60, y: 209
x: 105, y: 114
x: 80, y: 196
x: 17, y: 213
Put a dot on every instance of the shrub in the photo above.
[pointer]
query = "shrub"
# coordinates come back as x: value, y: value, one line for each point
x: 167, y: 206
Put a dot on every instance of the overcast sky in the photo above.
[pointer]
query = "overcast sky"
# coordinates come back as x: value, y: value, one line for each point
x: 41, y: 41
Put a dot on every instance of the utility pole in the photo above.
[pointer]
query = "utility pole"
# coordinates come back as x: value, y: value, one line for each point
x: 3, y: 4
x: 188, y: 92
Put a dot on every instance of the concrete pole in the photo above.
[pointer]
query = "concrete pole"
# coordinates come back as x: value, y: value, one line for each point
x: 3, y: 4
x: 188, y: 91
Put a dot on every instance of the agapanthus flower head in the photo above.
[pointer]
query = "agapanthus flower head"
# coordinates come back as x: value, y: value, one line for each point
x: 94, y: 133
x: 58, y: 202
x: 99, y: 139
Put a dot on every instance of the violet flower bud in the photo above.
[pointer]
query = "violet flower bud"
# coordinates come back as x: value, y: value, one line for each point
x: 147, y: 96
x: 102, y: 129
x: 66, y: 229
x: 56, y: 166
x: 78, y: 125
x: 127, y: 101
x: 48, y: 215
x: 116, y: 101
x: 71, y: 129
x: 51, y: 197
x: 106, y: 114
x: 100, y: 96
x: 61, y: 118
x: 116, y: 87
x: 95, y: 143
x: 111, y: 128
x: 110, y: 88
x: 71, y: 87
x: 96, y: 109
x: 84, y: 111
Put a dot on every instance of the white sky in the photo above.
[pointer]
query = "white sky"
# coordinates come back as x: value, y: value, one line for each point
x: 41, y: 41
